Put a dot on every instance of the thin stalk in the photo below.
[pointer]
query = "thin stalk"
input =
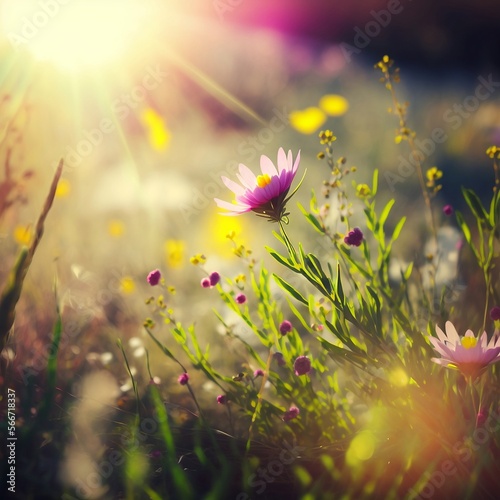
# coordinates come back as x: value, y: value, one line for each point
x: 259, y: 400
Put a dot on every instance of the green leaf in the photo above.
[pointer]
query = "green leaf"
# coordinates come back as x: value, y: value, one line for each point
x: 290, y: 289
x: 398, y: 228
x: 312, y: 219
x: 476, y: 206
x: 375, y: 182
x: 50, y: 390
x: 165, y: 350
x: 386, y: 211
x: 466, y: 232
x: 315, y: 222
x: 297, y: 314
x: 339, y: 288
x: 282, y: 260
x: 336, y: 352
x: 407, y: 273
x: 494, y: 215
x: 314, y: 265
x: 347, y: 252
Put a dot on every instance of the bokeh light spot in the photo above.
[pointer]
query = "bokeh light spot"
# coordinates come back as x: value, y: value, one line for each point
x: 307, y: 121
x: 158, y: 134
x: 63, y: 188
x: 116, y: 228
x: 127, y: 285
x: 334, y: 105
x: 361, y: 448
x: 23, y: 234
x: 398, y: 377
x: 175, y: 253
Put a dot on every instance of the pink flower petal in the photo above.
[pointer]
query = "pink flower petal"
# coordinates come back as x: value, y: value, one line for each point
x: 267, y: 166
x: 442, y: 361
x: 247, y: 177
x: 297, y: 161
x: 441, y: 347
x: 282, y: 160
x: 272, y: 189
x: 232, y: 206
x: 235, y: 188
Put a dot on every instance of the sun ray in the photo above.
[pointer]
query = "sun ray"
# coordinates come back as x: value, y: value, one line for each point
x: 213, y: 88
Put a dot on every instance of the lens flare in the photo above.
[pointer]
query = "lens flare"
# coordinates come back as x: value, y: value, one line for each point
x: 72, y: 34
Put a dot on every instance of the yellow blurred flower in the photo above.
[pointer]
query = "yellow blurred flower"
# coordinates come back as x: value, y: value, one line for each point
x: 240, y: 279
x: 174, y: 253
x: 308, y: 120
x: 433, y: 174
x: 493, y: 152
x: 334, y: 105
x: 326, y: 137
x: 363, y: 190
x: 198, y: 259
x: 127, y: 285
x: 63, y: 188
x: 116, y: 228
x: 23, y: 235
x: 159, y: 135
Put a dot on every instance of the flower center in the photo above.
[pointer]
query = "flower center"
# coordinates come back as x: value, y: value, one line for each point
x: 263, y: 180
x: 469, y: 342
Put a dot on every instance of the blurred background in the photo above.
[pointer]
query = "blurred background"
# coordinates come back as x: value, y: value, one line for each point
x: 150, y: 102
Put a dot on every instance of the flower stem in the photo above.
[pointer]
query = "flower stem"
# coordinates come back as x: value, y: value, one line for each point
x: 288, y: 243
x: 196, y: 402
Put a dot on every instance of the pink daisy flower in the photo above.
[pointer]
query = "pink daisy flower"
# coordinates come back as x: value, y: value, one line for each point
x: 469, y: 354
x: 264, y: 194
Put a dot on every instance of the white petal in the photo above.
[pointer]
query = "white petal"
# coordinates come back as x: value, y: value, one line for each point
x: 441, y: 335
x: 442, y: 361
x: 483, y: 340
x: 451, y: 332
